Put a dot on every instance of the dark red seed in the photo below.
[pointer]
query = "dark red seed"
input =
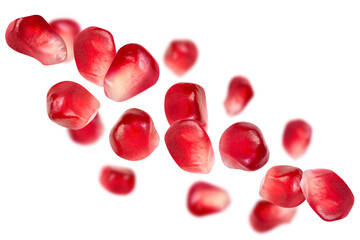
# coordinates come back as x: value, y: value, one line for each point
x: 297, y: 137
x: 117, y: 180
x: 90, y: 133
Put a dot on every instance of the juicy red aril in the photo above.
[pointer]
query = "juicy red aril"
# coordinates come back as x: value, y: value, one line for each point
x: 34, y: 37
x: 67, y: 29
x: 180, y: 56
x: 70, y: 105
x: 94, y: 50
x: 90, y: 133
x: 242, y: 146
x: 186, y: 101
x: 117, y: 180
x: 265, y: 216
x: 204, y: 199
x: 327, y: 194
x: 133, y: 71
x: 134, y: 136
x: 281, y: 186
x: 239, y: 94
x: 296, y: 138
x: 190, y: 146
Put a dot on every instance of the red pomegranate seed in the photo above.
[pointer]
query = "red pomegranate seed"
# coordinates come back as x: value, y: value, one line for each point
x: 90, y: 133
x: 186, y: 101
x: 67, y: 29
x: 134, y: 136
x: 180, y: 56
x: 204, y: 199
x: 296, y: 138
x: 70, y: 105
x: 281, y: 186
x: 117, y: 180
x: 133, y: 71
x: 327, y: 194
x: 266, y: 216
x: 94, y: 50
x: 239, y: 94
x: 190, y: 146
x: 34, y: 37
x: 242, y: 146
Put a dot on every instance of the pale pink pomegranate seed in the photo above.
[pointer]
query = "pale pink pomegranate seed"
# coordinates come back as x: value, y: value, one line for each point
x: 134, y: 136
x: 88, y: 134
x: 94, y: 50
x: 281, y: 186
x: 180, y: 56
x: 67, y: 29
x: 190, y: 146
x: 266, y: 216
x: 186, y: 101
x: 117, y: 180
x: 327, y: 194
x: 70, y: 105
x: 239, y: 94
x: 204, y: 199
x: 296, y: 138
x: 34, y: 37
x: 242, y: 146
x: 133, y: 71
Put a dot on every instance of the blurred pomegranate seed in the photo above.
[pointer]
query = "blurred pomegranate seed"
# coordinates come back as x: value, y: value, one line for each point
x: 327, y: 194
x: 67, y: 29
x: 204, y: 199
x: 134, y: 136
x: 190, y: 146
x: 70, y: 105
x: 239, y: 94
x: 34, y: 37
x: 296, y: 138
x: 186, y: 101
x: 180, y: 56
x: 117, y: 180
x: 242, y: 146
x: 281, y: 186
x: 266, y: 216
x: 94, y: 50
x: 90, y: 133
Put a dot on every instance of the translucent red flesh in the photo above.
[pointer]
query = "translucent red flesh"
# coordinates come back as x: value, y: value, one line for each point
x: 117, y: 180
x: 90, y: 133
x: 296, y: 137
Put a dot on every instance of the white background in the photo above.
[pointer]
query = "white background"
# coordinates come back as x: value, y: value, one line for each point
x: 302, y: 59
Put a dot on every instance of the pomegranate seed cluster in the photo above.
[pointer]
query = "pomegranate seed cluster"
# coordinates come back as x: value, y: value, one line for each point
x: 132, y: 70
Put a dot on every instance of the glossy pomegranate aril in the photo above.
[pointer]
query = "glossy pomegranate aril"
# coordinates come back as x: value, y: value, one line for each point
x: 281, y: 186
x: 204, y: 199
x: 94, y: 50
x: 186, y: 101
x: 70, y: 105
x: 190, y: 146
x: 117, y: 180
x: 327, y: 194
x: 34, y: 37
x: 296, y: 138
x: 88, y: 134
x: 134, y: 136
x: 242, y: 146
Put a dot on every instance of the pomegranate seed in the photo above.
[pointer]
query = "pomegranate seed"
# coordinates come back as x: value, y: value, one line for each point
x: 133, y: 71
x: 94, y: 50
x: 296, y: 138
x: 327, y: 194
x: 242, y: 146
x: 134, y: 136
x: 266, y: 216
x: 117, y: 180
x: 180, y: 56
x: 190, y: 146
x: 34, y: 37
x: 67, y: 29
x: 70, y: 105
x: 281, y: 186
x: 204, y: 199
x: 90, y: 133
x: 239, y: 94
x: 186, y: 101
